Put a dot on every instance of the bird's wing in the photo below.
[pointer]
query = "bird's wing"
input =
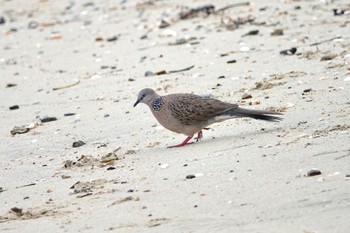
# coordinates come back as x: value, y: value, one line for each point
x: 191, y: 109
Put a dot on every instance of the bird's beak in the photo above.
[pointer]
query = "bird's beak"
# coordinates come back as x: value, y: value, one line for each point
x: 136, y: 103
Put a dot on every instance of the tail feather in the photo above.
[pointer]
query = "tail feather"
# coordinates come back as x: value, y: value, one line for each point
x: 256, y: 114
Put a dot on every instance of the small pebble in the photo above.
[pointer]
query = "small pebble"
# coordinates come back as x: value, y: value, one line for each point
x: 190, y: 176
x: 69, y: 114
x: 246, y: 96
x: 113, y: 38
x: 33, y: 24
x: 164, y: 24
x: 307, y: 90
x: 231, y: 61
x: 290, y: 51
x: 78, y: 143
x: 14, y: 107
x: 314, y: 172
x: 277, y: 32
x: 130, y: 191
x: 347, y: 175
x: 2, y: 20
x: 149, y: 73
x: 110, y: 168
x: 106, y: 115
x: 11, y: 85
x: 47, y: 119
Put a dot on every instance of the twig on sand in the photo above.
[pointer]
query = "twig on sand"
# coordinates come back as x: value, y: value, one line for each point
x: 67, y: 86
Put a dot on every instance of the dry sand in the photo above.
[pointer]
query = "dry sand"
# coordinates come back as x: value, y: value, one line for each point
x: 250, y: 176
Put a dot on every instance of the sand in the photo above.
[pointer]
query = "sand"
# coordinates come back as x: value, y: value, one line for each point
x: 90, y: 58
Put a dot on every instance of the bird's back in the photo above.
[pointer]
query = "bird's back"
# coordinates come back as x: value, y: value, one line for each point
x: 190, y: 109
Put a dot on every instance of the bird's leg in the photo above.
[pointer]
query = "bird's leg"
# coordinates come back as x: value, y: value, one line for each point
x: 200, y: 134
x: 183, y: 143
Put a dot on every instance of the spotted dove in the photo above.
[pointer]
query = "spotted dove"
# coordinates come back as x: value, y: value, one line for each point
x: 189, y: 114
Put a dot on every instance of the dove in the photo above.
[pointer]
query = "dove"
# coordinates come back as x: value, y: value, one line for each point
x: 189, y: 114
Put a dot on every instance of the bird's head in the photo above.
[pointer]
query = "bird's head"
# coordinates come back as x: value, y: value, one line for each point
x: 146, y: 96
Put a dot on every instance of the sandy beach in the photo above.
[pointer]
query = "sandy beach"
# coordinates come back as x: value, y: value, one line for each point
x: 76, y: 156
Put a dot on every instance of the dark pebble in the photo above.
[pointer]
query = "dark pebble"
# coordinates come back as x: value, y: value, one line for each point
x: 113, y: 38
x: 69, y: 114
x: 185, y: 165
x: 314, y: 172
x: 143, y: 37
x: 47, y: 119
x: 231, y: 61
x: 2, y: 20
x: 14, y: 107
x: 291, y: 51
x: 190, y: 176
x: 164, y: 24
x: 347, y: 175
x: 25, y: 198
x: 110, y: 168
x: 338, y: 11
x: 106, y: 115
x: 195, y: 206
x: 1, y: 189
x: 11, y: 85
x: 130, y: 191
x: 149, y: 73
x: 78, y: 143
x: 307, y: 90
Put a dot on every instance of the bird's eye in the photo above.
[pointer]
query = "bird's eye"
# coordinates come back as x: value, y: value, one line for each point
x: 143, y: 96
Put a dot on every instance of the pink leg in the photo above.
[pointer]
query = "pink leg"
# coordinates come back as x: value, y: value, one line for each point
x: 183, y: 143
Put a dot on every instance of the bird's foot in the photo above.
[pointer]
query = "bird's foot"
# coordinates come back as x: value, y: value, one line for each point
x: 183, y: 143
x: 200, y: 135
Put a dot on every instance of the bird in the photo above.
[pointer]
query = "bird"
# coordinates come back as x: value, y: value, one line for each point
x: 189, y: 114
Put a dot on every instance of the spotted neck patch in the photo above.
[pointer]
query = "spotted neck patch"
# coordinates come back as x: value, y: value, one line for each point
x: 157, y: 104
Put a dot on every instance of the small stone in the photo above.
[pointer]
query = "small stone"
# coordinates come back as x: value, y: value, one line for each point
x: 190, y: 176
x: 11, y: 85
x: 113, y: 38
x: 231, y: 61
x: 277, y: 32
x: 65, y: 177
x: 290, y: 51
x: 69, y: 114
x: 106, y: 115
x: 17, y: 211
x: 2, y: 20
x: 314, y: 172
x: 46, y: 119
x: 14, y: 107
x: 78, y: 143
x: 246, y: 96
x: 328, y: 57
x: 130, y: 191
x: 110, y: 168
x: 307, y: 90
x: 149, y: 73
x: 164, y: 24
x: 33, y: 24
x: 347, y: 175
x: 19, y: 130
x: 252, y: 33
x: 1, y: 189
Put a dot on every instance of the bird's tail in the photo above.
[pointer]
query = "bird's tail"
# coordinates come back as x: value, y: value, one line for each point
x: 256, y: 114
